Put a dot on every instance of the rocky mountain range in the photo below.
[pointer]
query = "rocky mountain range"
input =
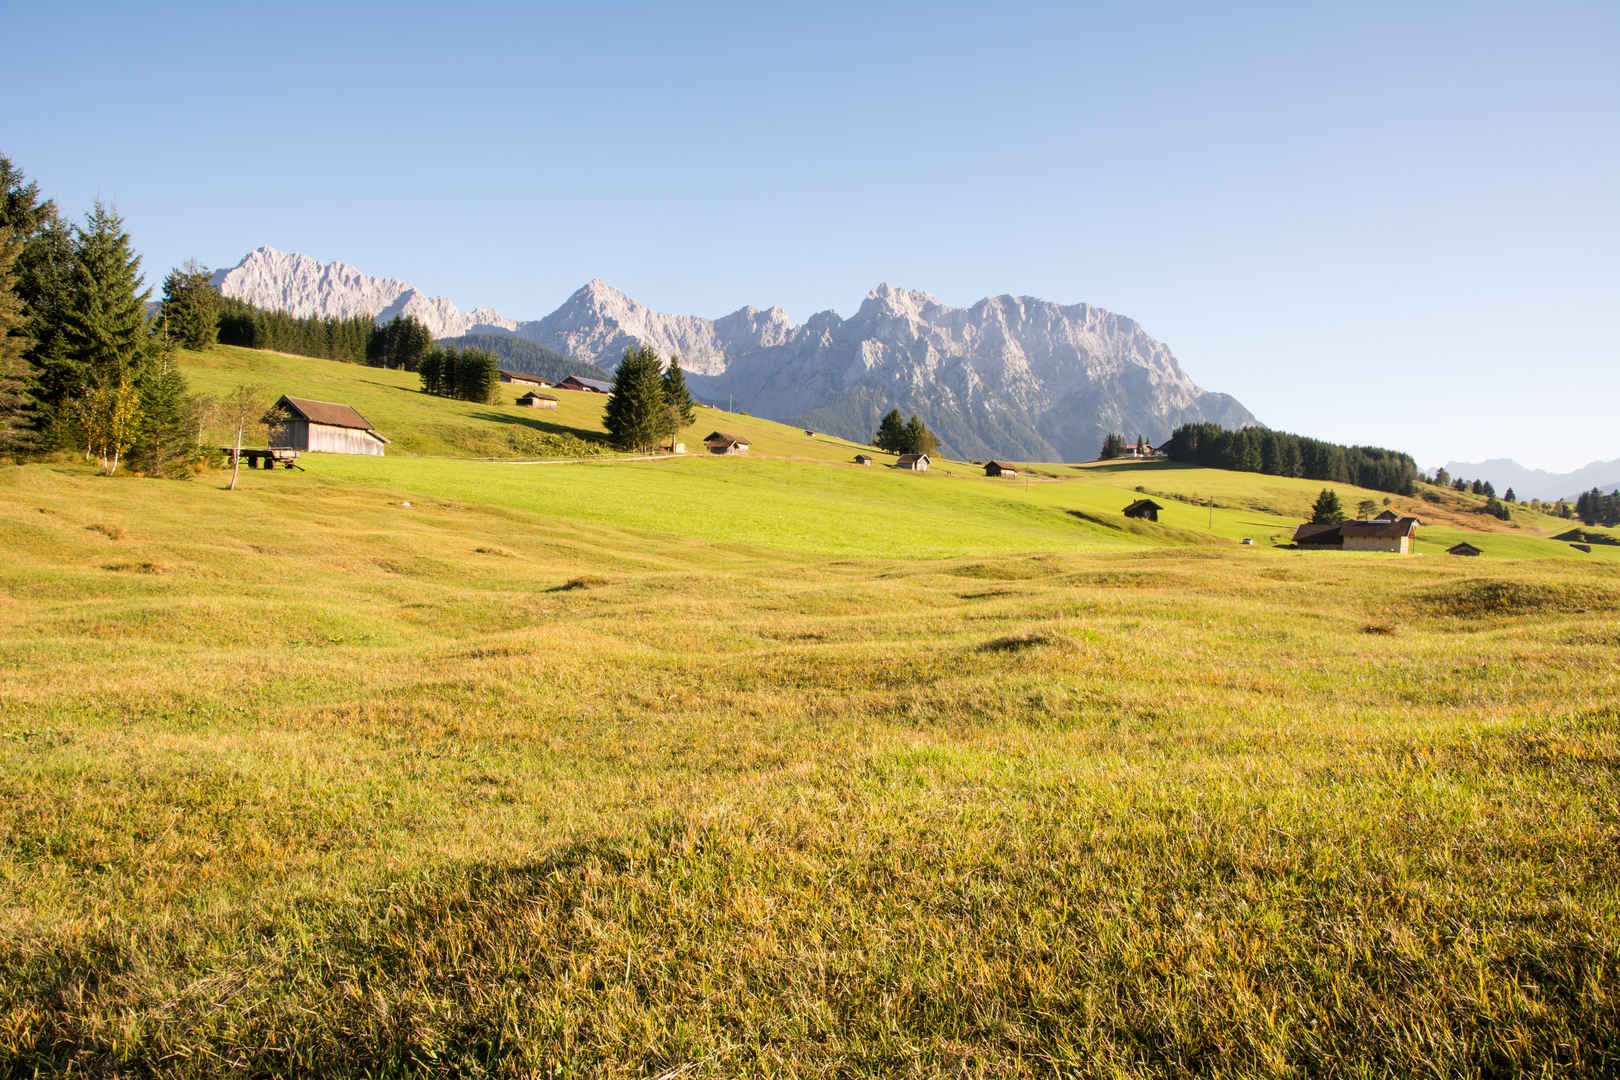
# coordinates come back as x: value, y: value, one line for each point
x: 1009, y: 377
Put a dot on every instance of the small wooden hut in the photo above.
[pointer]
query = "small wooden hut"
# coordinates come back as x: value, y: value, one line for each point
x: 1000, y: 468
x: 305, y: 424
x: 536, y: 400
x: 1144, y: 509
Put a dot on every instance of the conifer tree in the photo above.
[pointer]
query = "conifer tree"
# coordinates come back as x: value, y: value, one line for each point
x: 676, y: 397
x: 163, y: 444
x: 108, y: 333
x: 191, y: 307
x: 1327, y: 510
x: 16, y: 370
x: 919, y: 440
x: 891, y: 433
x: 1112, y: 447
x: 636, y: 415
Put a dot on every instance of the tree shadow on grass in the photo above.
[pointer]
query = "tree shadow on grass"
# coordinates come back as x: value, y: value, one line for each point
x: 536, y: 424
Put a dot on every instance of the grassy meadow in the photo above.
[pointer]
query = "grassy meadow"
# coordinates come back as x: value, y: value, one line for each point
x: 785, y: 767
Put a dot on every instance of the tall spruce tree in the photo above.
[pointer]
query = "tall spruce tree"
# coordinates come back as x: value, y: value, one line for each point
x: 16, y: 370
x: 164, y: 444
x: 1327, y: 510
x: 108, y: 333
x: 191, y: 307
x: 677, y: 398
x: 636, y: 415
x: 1113, y: 445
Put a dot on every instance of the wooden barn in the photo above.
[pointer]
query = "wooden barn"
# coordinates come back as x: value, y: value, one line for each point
x: 1000, y: 468
x: 719, y: 442
x: 323, y: 427
x: 1464, y: 548
x: 590, y: 386
x: 1394, y: 537
x: 535, y: 400
x: 1145, y: 509
x: 914, y: 462
x: 522, y: 378
x: 863, y: 459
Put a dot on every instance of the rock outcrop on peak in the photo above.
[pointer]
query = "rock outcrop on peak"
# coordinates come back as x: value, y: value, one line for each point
x: 1010, y: 376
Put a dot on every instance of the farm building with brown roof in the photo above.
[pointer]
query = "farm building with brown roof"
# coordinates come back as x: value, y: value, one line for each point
x: 1000, y: 468
x: 521, y: 378
x: 913, y: 462
x: 1464, y: 548
x: 1146, y: 509
x: 536, y: 400
x: 1390, y: 536
x: 719, y: 442
x: 323, y: 426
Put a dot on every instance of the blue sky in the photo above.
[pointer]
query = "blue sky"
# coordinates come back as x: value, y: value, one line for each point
x: 1383, y: 224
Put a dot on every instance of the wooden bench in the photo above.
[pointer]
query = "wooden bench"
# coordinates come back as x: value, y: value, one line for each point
x: 263, y: 459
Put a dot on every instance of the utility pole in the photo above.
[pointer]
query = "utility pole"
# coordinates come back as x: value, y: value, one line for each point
x: 1212, y: 513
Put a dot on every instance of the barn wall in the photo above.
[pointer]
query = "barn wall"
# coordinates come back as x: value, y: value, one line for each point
x: 340, y: 440
x: 294, y: 432
x: 1398, y: 545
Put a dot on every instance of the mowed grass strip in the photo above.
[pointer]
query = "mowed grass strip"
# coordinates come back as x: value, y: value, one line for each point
x: 339, y: 786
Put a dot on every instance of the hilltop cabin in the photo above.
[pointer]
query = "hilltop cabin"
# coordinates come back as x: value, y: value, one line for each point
x: 522, y: 378
x: 1143, y: 509
x: 719, y: 442
x: 864, y: 459
x: 1391, y: 536
x: 536, y: 400
x: 322, y: 426
x: 914, y: 462
x: 1000, y: 468
x: 590, y: 386
x: 1464, y: 548
x: 1387, y: 515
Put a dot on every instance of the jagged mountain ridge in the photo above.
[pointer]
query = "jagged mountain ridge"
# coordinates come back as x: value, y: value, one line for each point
x: 1009, y: 376
x: 306, y: 287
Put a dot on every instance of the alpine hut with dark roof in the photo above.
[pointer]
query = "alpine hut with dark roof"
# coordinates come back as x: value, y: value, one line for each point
x: 914, y: 462
x: 1000, y: 468
x: 1145, y: 509
x: 591, y: 386
x: 323, y: 427
x: 719, y: 442
x: 1464, y: 548
x: 521, y: 378
x: 536, y: 400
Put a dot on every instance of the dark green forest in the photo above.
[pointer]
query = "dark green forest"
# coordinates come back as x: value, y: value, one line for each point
x: 1277, y: 453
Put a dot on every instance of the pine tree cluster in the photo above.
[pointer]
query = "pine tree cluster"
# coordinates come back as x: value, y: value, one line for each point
x: 650, y: 404
x: 904, y: 436
x: 240, y: 323
x: 81, y: 363
x: 466, y: 374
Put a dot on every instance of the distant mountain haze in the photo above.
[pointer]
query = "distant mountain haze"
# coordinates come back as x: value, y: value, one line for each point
x: 1527, y: 483
x: 1012, y: 377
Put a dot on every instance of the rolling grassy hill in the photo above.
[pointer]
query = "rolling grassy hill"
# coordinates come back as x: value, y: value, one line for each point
x: 783, y: 496
x: 779, y: 766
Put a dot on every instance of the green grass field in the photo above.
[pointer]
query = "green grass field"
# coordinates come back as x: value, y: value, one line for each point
x: 779, y: 766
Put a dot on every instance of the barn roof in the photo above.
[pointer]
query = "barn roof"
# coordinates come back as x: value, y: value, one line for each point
x: 1405, y: 526
x: 536, y: 394
x: 524, y: 376
x: 1002, y: 465
x: 1464, y: 548
x: 1143, y: 504
x: 720, y: 436
x: 330, y: 413
x: 591, y: 384
x: 910, y: 459
x: 1315, y: 533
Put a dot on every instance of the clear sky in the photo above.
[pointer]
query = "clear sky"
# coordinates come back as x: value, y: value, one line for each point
x: 1396, y: 224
